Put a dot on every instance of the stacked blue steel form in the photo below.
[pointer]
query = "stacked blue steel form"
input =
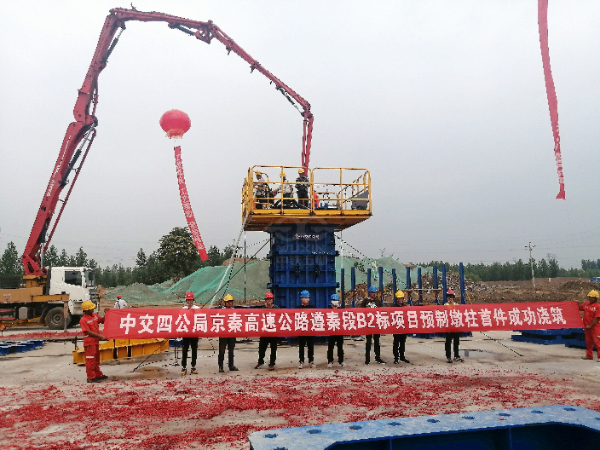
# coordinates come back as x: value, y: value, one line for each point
x: 7, y: 347
x: 558, y: 427
x: 571, y: 337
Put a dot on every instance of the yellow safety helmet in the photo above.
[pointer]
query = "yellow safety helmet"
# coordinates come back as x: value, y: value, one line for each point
x: 282, y: 174
x: 228, y: 298
x: 593, y: 293
x: 300, y: 170
x: 399, y: 294
x: 87, y: 305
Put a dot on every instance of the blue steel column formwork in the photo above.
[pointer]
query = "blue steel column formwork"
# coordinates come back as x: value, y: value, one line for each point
x: 302, y: 258
x: 461, y: 272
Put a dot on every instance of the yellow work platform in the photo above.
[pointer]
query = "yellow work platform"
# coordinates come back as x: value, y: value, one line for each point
x: 274, y: 195
x: 124, y: 348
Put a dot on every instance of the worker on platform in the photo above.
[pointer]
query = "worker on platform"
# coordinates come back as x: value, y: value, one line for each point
x: 262, y: 192
x: 332, y: 340
x: 372, y: 301
x: 591, y: 324
x: 306, y: 341
x: 90, y: 325
x: 452, y: 339
x: 399, y: 339
x: 227, y: 342
x: 287, y: 192
x: 189, y: 342
x: 302, y: 188
x: 266, y: 341
x: 120, y: 303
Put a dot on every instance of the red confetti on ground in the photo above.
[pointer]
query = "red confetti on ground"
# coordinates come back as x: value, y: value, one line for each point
x: 42, y: 335
x: 221, y: 412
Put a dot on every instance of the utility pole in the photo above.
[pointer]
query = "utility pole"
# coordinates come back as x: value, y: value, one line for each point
x: 530, y: 248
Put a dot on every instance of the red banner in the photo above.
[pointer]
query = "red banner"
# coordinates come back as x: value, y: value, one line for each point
x: 147, y: 323
x: 187, y: 207
x: 550, y: 92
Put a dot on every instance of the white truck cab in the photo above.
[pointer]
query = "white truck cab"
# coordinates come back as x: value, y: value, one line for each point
x: 78, y: 282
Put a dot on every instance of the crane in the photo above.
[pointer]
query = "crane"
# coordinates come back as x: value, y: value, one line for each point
x: 80, y: 134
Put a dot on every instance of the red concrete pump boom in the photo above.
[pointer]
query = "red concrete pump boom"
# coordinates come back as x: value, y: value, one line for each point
x: 80, y: 134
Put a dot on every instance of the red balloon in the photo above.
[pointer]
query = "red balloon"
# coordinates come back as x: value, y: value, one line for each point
x: 175, y: 123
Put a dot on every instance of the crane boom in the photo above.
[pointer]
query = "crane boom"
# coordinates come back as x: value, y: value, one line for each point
x: 80, y: 133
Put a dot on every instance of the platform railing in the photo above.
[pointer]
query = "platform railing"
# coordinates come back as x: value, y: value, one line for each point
x: 271, y: 190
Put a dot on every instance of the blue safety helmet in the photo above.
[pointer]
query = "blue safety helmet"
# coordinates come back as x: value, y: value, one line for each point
x: 335, y: 297
x: 304, y: 294
x: 372, y: 289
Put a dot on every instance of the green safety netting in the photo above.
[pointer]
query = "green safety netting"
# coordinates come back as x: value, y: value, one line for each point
x: 204, y: 282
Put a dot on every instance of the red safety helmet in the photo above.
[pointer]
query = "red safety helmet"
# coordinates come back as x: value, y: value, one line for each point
x: 269, y: 295
x: 119, y: 296
x: 450, y: 292
x: 189, y: 295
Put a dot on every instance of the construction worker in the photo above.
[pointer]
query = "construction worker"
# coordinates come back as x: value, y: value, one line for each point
x: 287, y: 192
x: 266, y: 341
x: 189, y: 342
x: 302, y: 189
x: 227, y: 342
x: 308, y: 341
x: 372, y: 302
x: 591, y: 324
x: 262, y: 192
x: 120, y: 303
x: 452, y: 339
x: 399, y: 339
x: 332, y: 340
x: 90, y: 325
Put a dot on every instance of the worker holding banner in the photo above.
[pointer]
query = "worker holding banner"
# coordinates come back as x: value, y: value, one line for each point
x: 227, y: 343
x: 334, y: 340
x: 306, y: 341
x: 372, y: 302
x: 452, y: 339
x: 591, y: 324
x: 399, y: 339
x: 266, y: 341
x: 189, y: 341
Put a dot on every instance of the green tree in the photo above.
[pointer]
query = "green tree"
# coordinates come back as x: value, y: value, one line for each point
x: 141, y: 260
x: 214, y: 256
x: 63, y: 259
x: 10, y: 264
x: 81, y: 258
x: 178, y: 252
x: 543, y: 269
x: 51, y: 257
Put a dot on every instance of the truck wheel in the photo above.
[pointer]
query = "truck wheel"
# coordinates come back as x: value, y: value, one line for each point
x: 54, y: 318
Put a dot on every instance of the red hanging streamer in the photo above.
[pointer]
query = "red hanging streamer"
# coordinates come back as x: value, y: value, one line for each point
x: 187, y: 207
x: 550, y: 91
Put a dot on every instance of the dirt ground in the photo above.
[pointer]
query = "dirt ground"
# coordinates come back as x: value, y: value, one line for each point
x: 46, y: 403
x: 146, y: 403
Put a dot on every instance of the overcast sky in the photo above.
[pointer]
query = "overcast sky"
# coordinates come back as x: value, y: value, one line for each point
x: 443, y: 101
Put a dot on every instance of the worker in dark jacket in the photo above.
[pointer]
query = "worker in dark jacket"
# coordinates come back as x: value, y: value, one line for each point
x: 227, y: 343
x: 334, y: 340
x: 452, y: 339
x: 372, y: 302
x: 302, y: 187
x: 266, y: 341
x: 308, y: 341
x: 90, y: 325
x: 399, y: 339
